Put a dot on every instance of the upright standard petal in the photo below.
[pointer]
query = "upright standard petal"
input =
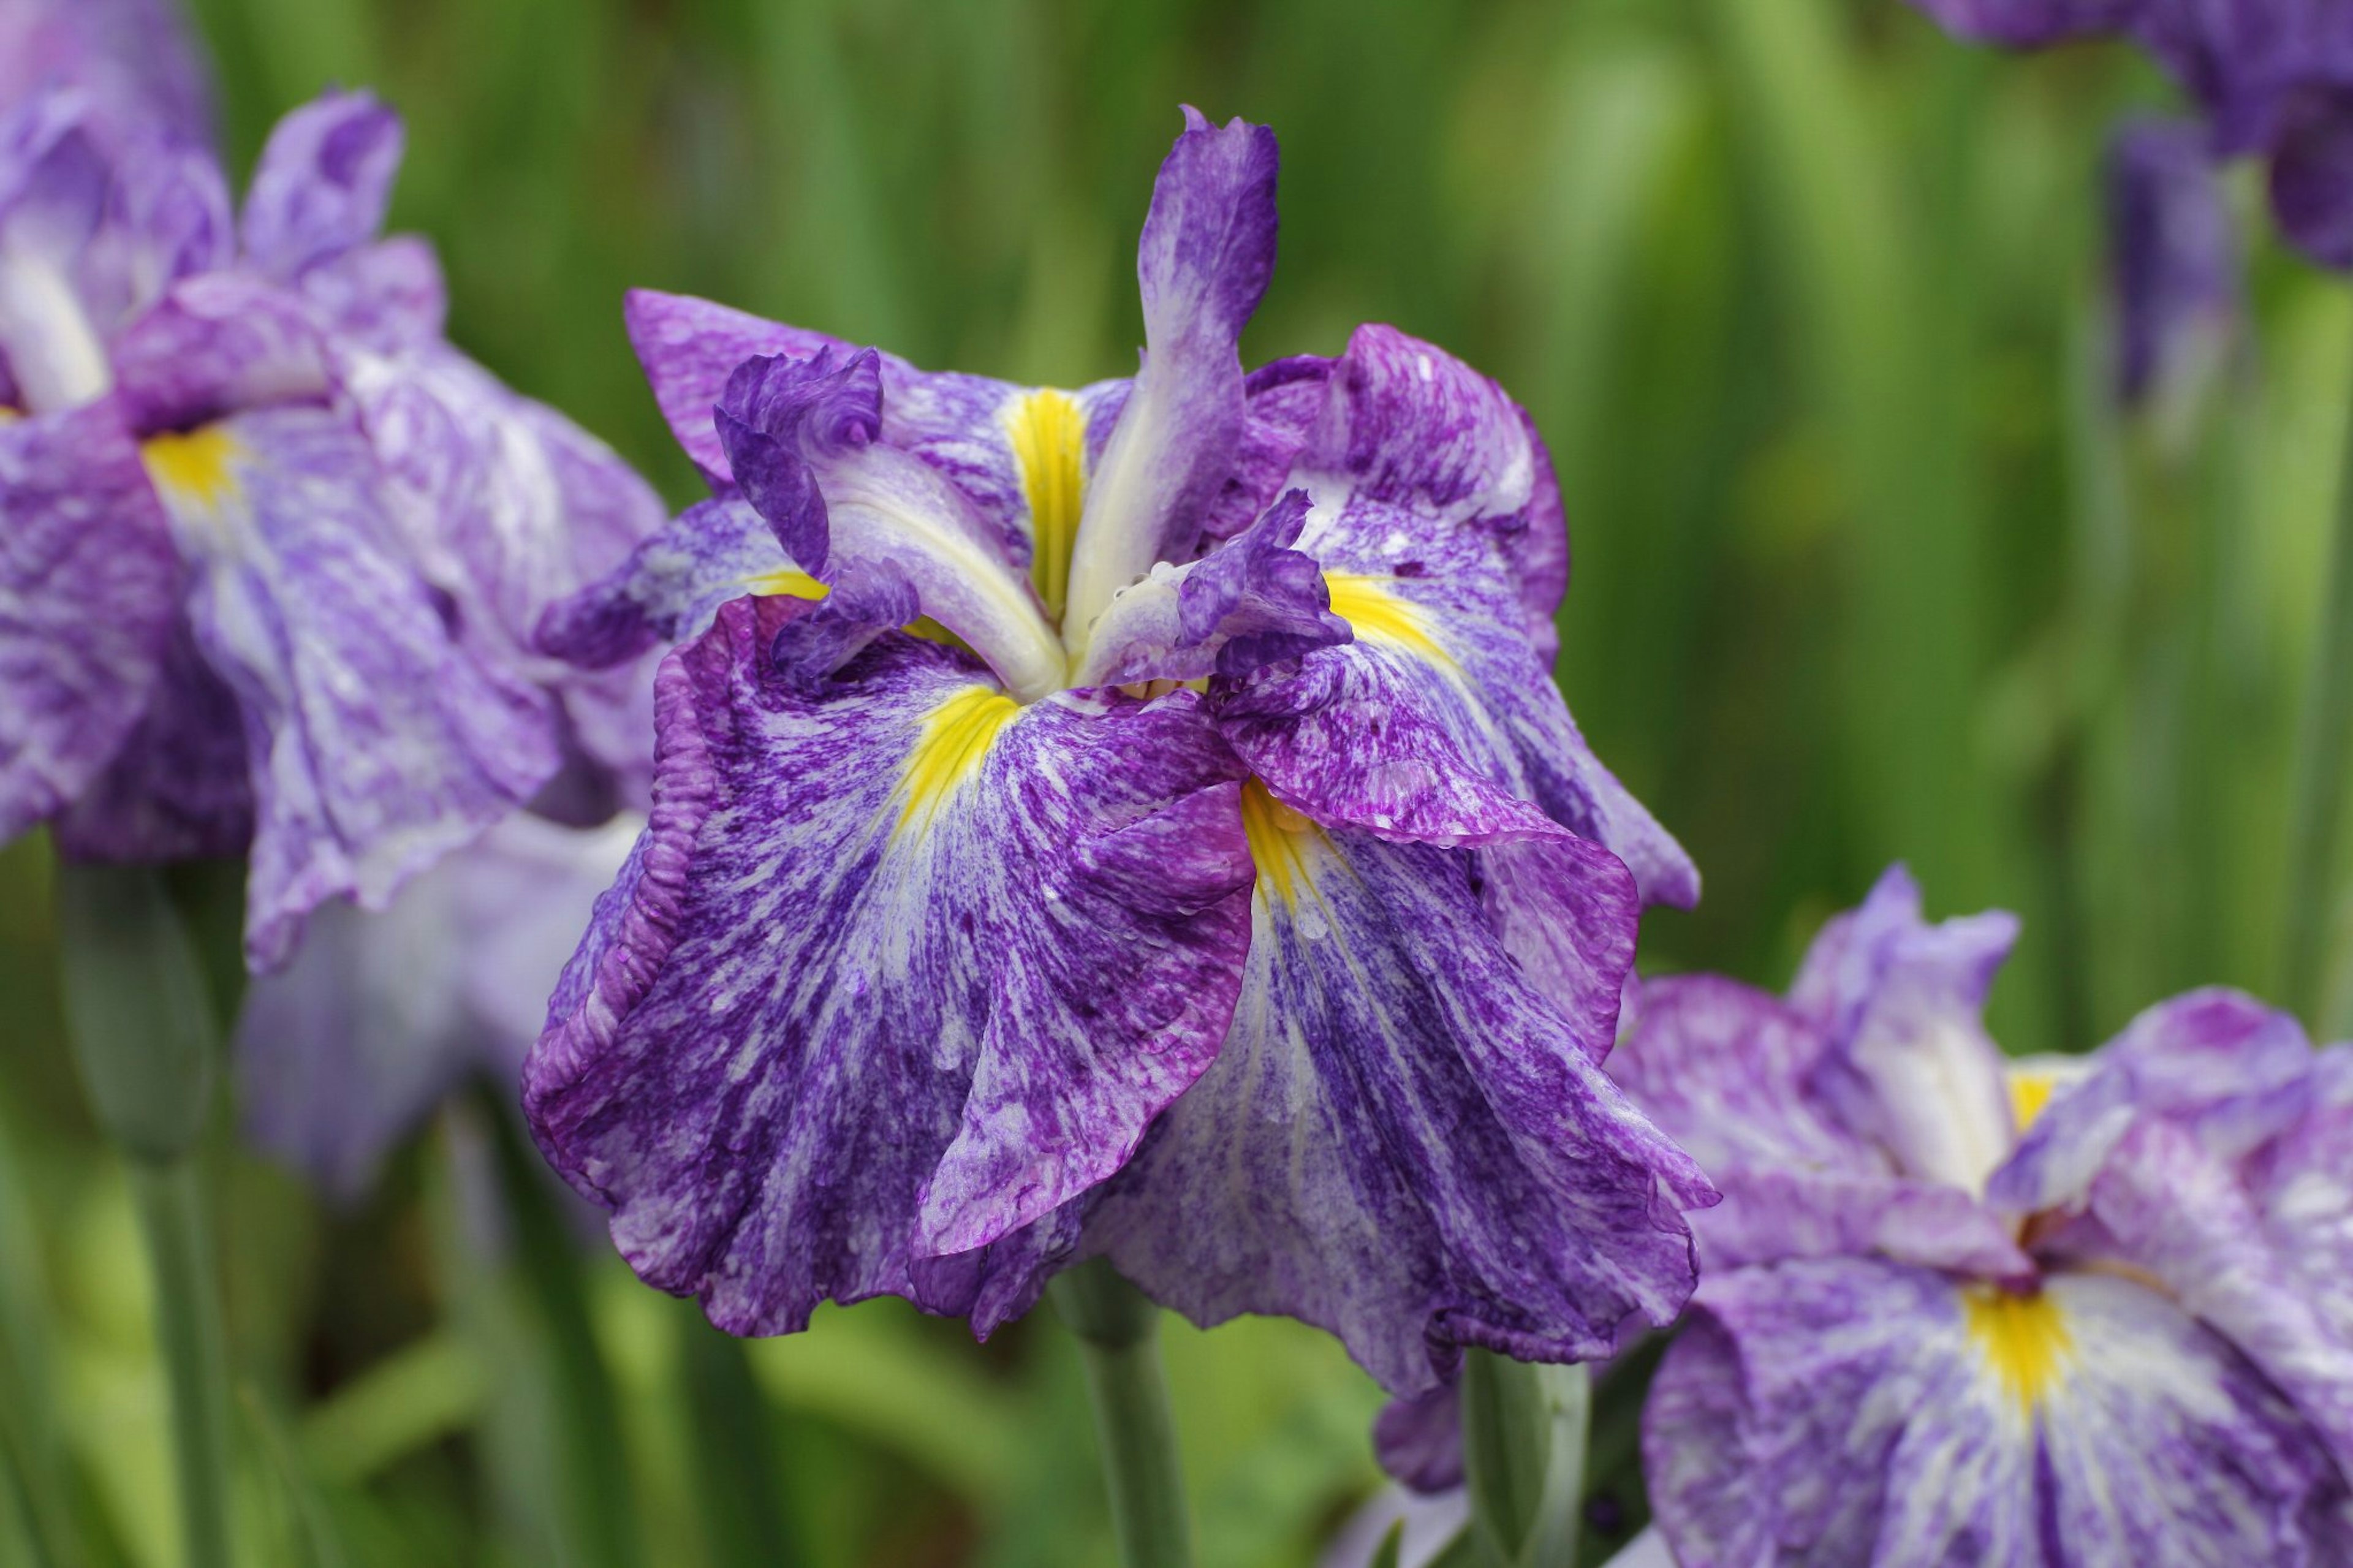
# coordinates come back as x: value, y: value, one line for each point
x: 133, y: 56
x: 88, y: 589
x: 322, y: 186
x: 1204, y: 261
x: 899, y: 970
x: 1403, y: 1140
x: 377, y: 743
x: 1858, y: 1412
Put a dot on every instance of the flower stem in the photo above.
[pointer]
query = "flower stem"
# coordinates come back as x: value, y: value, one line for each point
x: 143, y: 1039
x: 2318, y: 809
x: 1523, y: 1437
x: 1118, y: 1330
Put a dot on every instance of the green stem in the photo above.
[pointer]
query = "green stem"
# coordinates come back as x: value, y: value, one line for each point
x: 171, y: 1202
x: 599, y: 1512
x: 1524, y: 1439
x: 1118, y: 1330
x: 2318, y: 811
x: 735, y: 1471
x: 142, y: 1028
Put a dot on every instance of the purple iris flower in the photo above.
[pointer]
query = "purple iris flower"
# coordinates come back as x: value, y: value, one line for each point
x: 341, y: 1054
x: 1137, y: 821
x: 2273, y: 77
x: 270, y: 550
x: 1958, y: 1310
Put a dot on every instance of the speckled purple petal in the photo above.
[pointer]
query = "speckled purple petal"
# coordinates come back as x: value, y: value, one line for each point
x: 1251, y: 602
x: 1419, y: 1441
x: 378, y: 1016
x: 377, y: 743
x: 1847, y: 1412
x: 2030, y: 24
x: 178, y: 788
x: 219, y: 342
x: 1729, y: 1073
x: 323, y: 185
x: 1403, y: 1140
x: 88, y: 588
x: 389, y: 295
x: 854, y: 1014
x: 1203, y: 264
x: 669, y: 587
x: 134, y: 57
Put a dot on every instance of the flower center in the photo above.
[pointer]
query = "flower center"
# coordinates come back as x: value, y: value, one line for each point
x: 1047, y: 430
x: 954, y: 739
x: 2023, y: 1338
x: 1281, y: 841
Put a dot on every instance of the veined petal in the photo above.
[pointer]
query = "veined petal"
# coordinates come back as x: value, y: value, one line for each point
x: 1731, y: 1073
x: 1903, y: 1001
x: 88, y: 588
x: 673, y: 584
x: 1402, y: 1141
x: 1207, y: 253
x: 55, y: 183
x: 1251, y: 602
x: 218, y: 343
x: 323, y: 185
x: 377, y: 743
x: 178, y: 788
x: 1867, y: 1412
x: 898, y: 969
x: 802, y: 438
x: 341, y: 1054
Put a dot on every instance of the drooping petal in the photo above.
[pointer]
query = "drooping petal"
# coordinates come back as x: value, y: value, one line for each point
x: 378, y: 1016
x: 1903, y: 1002
x: 179, y: 787
x: 1251, y: 602
x: 323, y: 185
x: 377, y: 743
x: 898, y: 970
x: 1203, y: 264
x: 89, y: 586
x: 1441, y: 717
x: 1403, y: 1140
x: 1867, y: 1412
x: 1731, y: 1074
x: 803, y: 440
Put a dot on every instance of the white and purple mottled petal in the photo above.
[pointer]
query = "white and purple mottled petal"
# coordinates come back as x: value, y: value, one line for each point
x: 673, y: 584
x: 898, y: 971
x: 322, y: 186
x: 1251, y: 602
x: 55, y: 180
x: 1403, y: 1140
x: 221, y: 341
x: 1860, y: 1411
x: 341, y: 1054
x: 1731, y: 1073
x: 134, y: 57
x: 89, y: 590
x: 803, y: 439
x: 178, y: 788
x: 1203, y: 264
x: 376, y: 743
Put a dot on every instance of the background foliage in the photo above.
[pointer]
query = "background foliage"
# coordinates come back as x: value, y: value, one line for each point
x: 1809, y: 301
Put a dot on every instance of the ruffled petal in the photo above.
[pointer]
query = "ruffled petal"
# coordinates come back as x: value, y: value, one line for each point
x: 323, y: 185
x: 219, y: 342
x: 1866, y: 1413
x: 1251, y: 602
x: 1403, y: 1140
x: 1203, y: 264
x: 673, y: 584
x: 376, y: 744
x: 1730, y: 1074
x: 378, y: 1016
x: 898, y: 970
x: 88, y: 589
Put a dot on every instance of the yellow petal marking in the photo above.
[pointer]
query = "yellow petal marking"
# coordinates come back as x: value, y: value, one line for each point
x: 954, y: 739
x: 786, y: 583
x: 2030, y: 1091
x: 1047, y: 430
x: 1281, y: 841
x: 2024, y: 1340
x: 1379, y: 615
x: 197, y: 470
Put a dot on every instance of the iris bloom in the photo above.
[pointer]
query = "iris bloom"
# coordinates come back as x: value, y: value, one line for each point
x: 2273, y: 77
x: 269, y: 549
x: 1208, y: 874
x: 377, y: 1017
x: 1959, y: 1311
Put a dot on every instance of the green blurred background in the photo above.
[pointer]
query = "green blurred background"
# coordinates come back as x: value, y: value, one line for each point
x: 1809, y: 301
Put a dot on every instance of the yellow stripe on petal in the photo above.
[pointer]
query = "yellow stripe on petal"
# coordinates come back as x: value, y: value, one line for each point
x: 786, y: 583
x: 1047, y: 430
x: 954, y: 740
x: 196, y: 470
x: 1378, y: 614
x: 2030, y: 1091
x: 2024, y: 1340
x: 1281, y: 841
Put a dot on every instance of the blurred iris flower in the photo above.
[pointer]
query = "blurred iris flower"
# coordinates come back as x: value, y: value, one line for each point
x: 2080, y: 1311
x: 132, y: 56
x: 1137, y: 821
x: 2272, y: 78
x: 2174, y: 260
x: 271, y: 548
